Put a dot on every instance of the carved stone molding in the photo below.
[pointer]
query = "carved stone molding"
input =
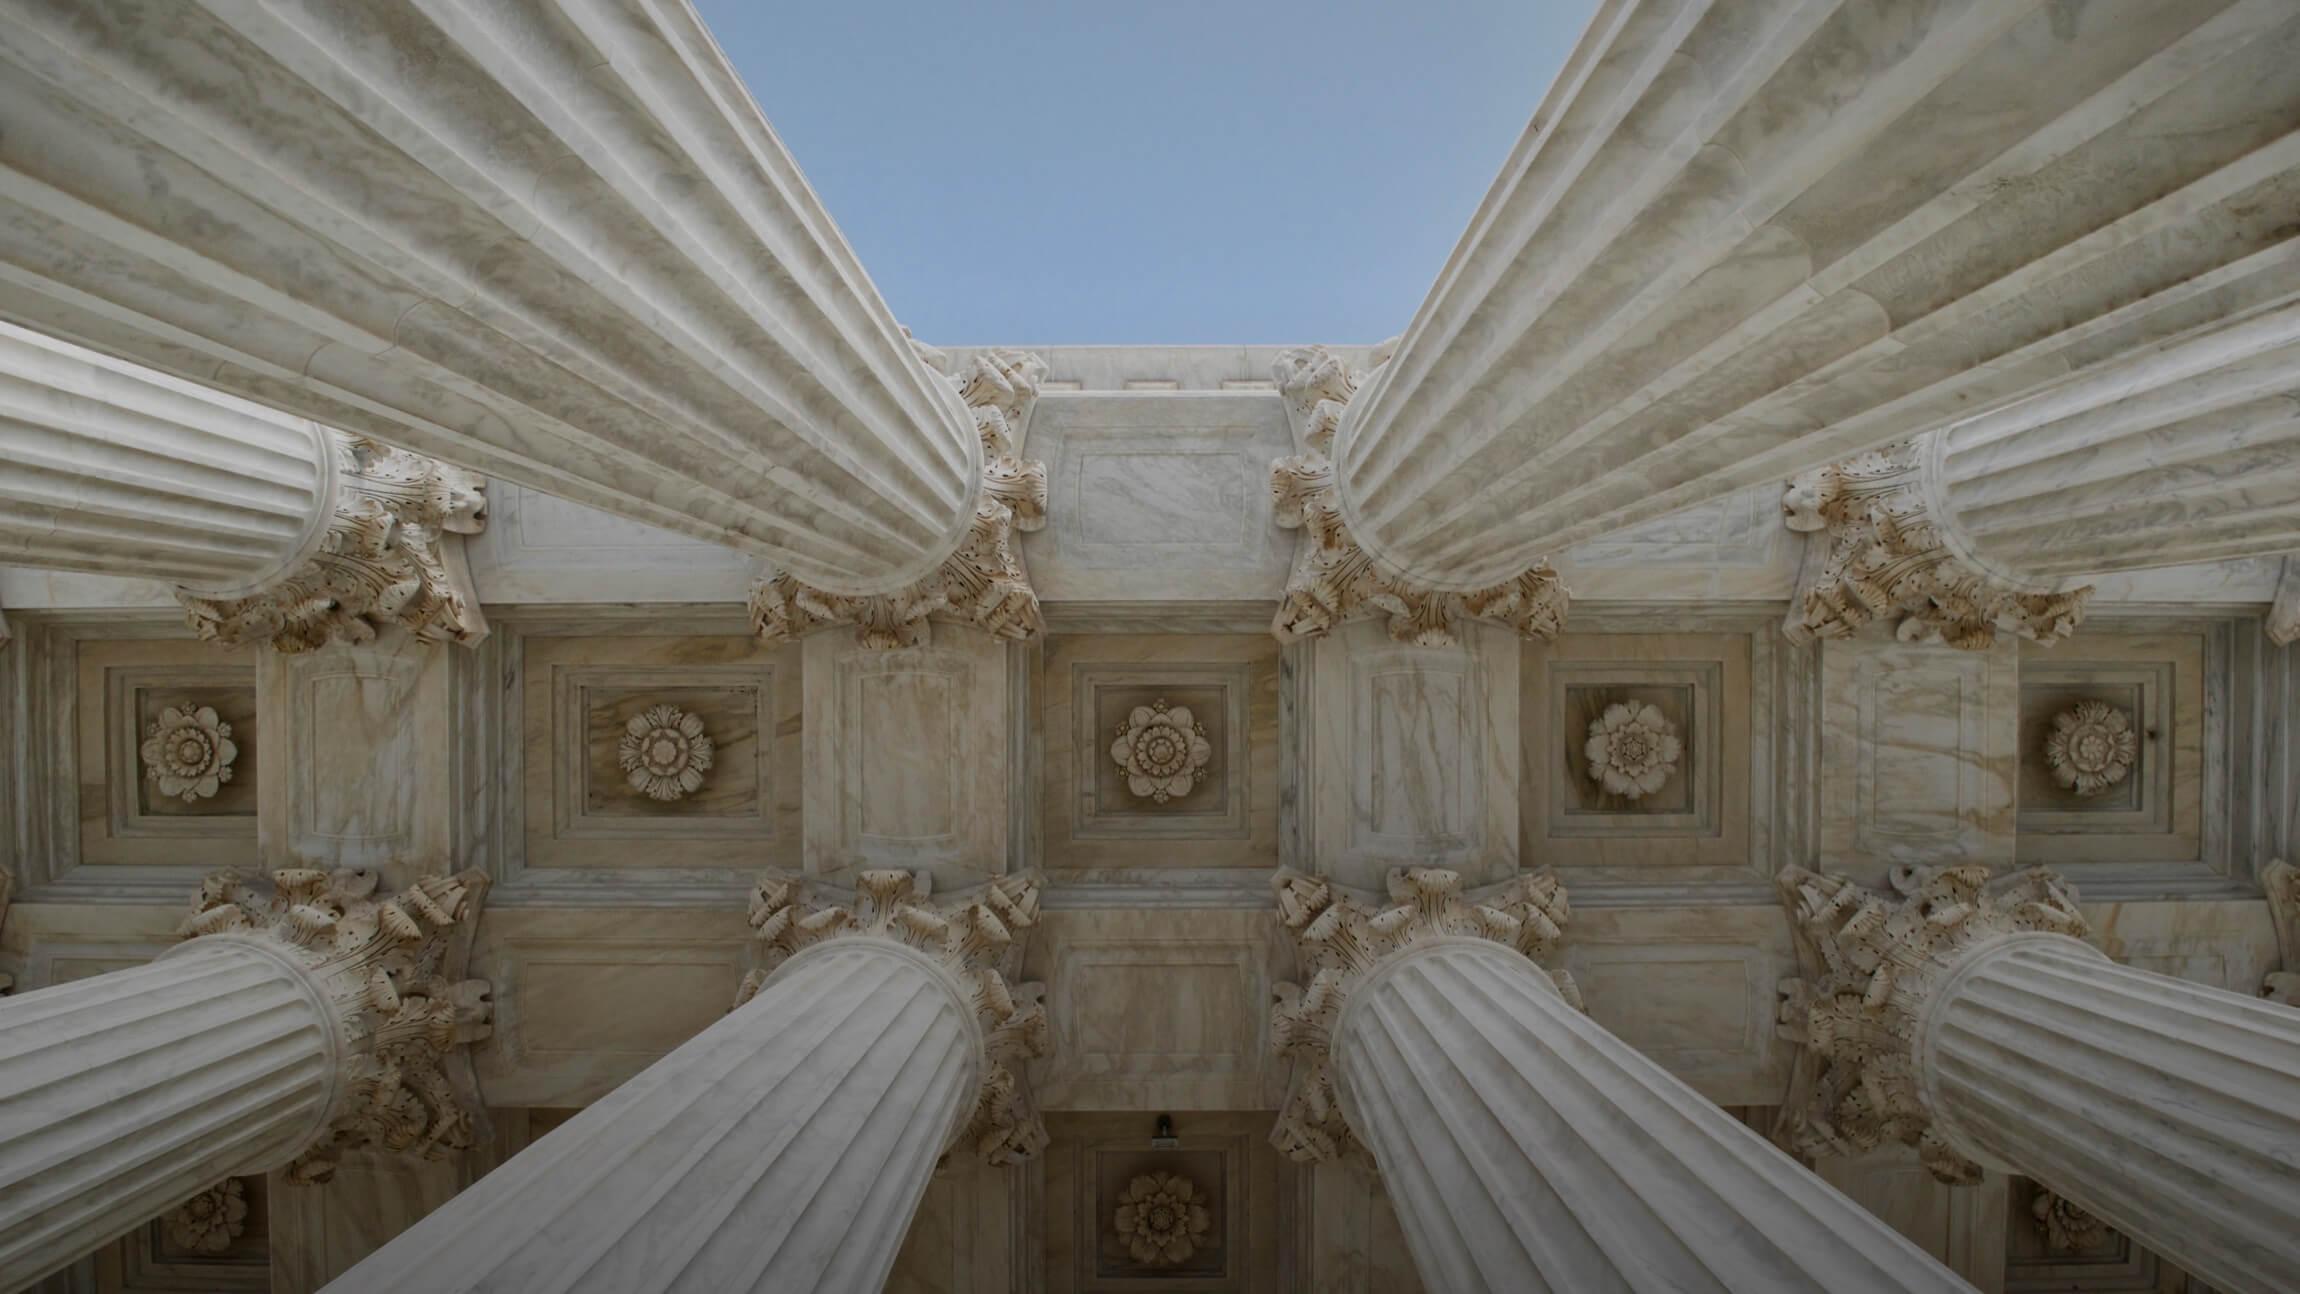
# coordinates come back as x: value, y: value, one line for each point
x: 208, y: 1222
x: 664, y: 752
x: 1334, y: 579
x: 984, y: 582
x: 1886, y: 555
x: 1342, y: 936
x: 2281, y: 882
x: 390, y: 966
x: 390, y: 556
x: 977, y: 939
x: 1872, y: 961
x: 188, y: 753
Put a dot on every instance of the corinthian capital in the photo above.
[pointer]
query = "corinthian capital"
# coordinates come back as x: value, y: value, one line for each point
x: 983, y: 582
x: 390, y: 967
x: 975, y: 937
x: 390, y: 555
x: 1873, y: 960
x: 1342, y: 936
x: 1888, y: 554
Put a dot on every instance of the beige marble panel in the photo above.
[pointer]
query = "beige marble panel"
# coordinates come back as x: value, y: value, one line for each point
x: 1094, y: 829
x: 1963, y: 1226
x: 1694, y: 988
x: 2155, y: 813
x: 319, y: 1232
x: 2108, y: 1264
x: 1918, y: 754
x: 586, y: 998
x: 120, y: 689
x: 148, y: 1260
x: 908, y: 757
x: 361, y: 738
x: 1157, y: 1009
x: 962, y: 1239
x: 1227, y: 1158
x: 1354, y: 1244
x: 1411, y: 755
x: 1696, y: 827
x: 2225, y: 943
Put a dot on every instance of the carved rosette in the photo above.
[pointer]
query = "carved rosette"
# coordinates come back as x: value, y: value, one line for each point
x: 390, y: 967
x: 1334, y: 580
x: 208, y: 1222
x: 2091, y: 747
x: 188, y: 753
x: 2066, y: 1226
x: 664, y: 753
x: 390, y: 556
x: 984, y: 582
x: 1162, y: 750
x: 1161, y: 1219
x: 1872, y: 961
x: 1885, y: 556
x: 977, y: 939
x: 1632, y: 750
x: 1343, y: 936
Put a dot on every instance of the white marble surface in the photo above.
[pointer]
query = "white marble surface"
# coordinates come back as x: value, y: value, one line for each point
x: 1724, y: 251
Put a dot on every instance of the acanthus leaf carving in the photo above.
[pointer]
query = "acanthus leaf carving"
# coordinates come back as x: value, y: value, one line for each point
x: 1885, y: 556
x: 976, y: 937
x: 1872, y: 961
x: 1342, y: 936
x: 1334, y: 579
x: 390, y: 556
x: 390, y: 967
x: 983, y: 582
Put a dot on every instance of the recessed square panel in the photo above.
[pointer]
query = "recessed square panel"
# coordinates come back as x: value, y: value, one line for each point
x: 185, y: 764
x: 1177, y: 1205
x: 2116, y: 748
x: 652, y: 751
x: 1640, y: 733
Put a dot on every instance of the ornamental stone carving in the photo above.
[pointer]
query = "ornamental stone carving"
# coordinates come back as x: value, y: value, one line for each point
x: 1632, y: 750
x: 2283, y: 624
x: 984, y: 582
x: 188, y: 752
x: 388, y: 557
x: 1872, y: 961
x: 664, y: 753
x: 2279, y: 880
x: 975, y: 937
x: 1163, y: 751
x: 390, y: 968
x: 1887, y: 555
x: 1342, y: 936
x: 1161, y: 1218
x: 208, y: 1222
x: 2091, y: 747
x: 2065, y: 1224
x: 1334, y: 580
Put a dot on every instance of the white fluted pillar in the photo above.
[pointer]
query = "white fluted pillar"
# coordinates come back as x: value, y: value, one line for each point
x: 2174, y: 454
x: 2168, y: 1109
x: 269, y: 1040
x: 786, y: 1147
x: 551, y: 241
x: 1525, y: 1148
x: 125, y: 1094
x: 1738, y: 240
x: 270, y: 528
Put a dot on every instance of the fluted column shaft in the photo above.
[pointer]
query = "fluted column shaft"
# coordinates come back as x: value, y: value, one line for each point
x: 2169, y: 1109
x: 783, y: 1149
x: 125, y: 1094
x: 2188, y: 453
x: 549, y: 240
x: 1740, y: 239
x: 1528, y: 1149
x: 113, y: 470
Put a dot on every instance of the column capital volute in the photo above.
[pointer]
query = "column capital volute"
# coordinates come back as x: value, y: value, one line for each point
x: 1876, y: 965
x: 386, y: 972
x: 973, y: 939
x: 1347, y: 938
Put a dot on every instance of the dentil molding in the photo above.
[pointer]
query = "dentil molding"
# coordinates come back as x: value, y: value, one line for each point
x: 390, y: 555
x: 1888, y: 554
x: 1334, y: 579
x: 1873, y: 961
x: 1342, y: 936
x: 984, y: 582
x: 975, y: 937
x: 390, y: 969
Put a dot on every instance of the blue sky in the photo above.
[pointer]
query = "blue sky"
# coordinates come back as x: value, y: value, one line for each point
x: 1150, y: 171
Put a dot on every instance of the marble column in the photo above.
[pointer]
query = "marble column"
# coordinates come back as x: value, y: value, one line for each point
x: 1524, y: 1147
x: 2180, y: 453
x: 786, y: 1147
x: 1738, y: 240
x: 1967, y: 1017
x: 552, y: 241
x: 304, y: 1018
x: 271, y: 528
